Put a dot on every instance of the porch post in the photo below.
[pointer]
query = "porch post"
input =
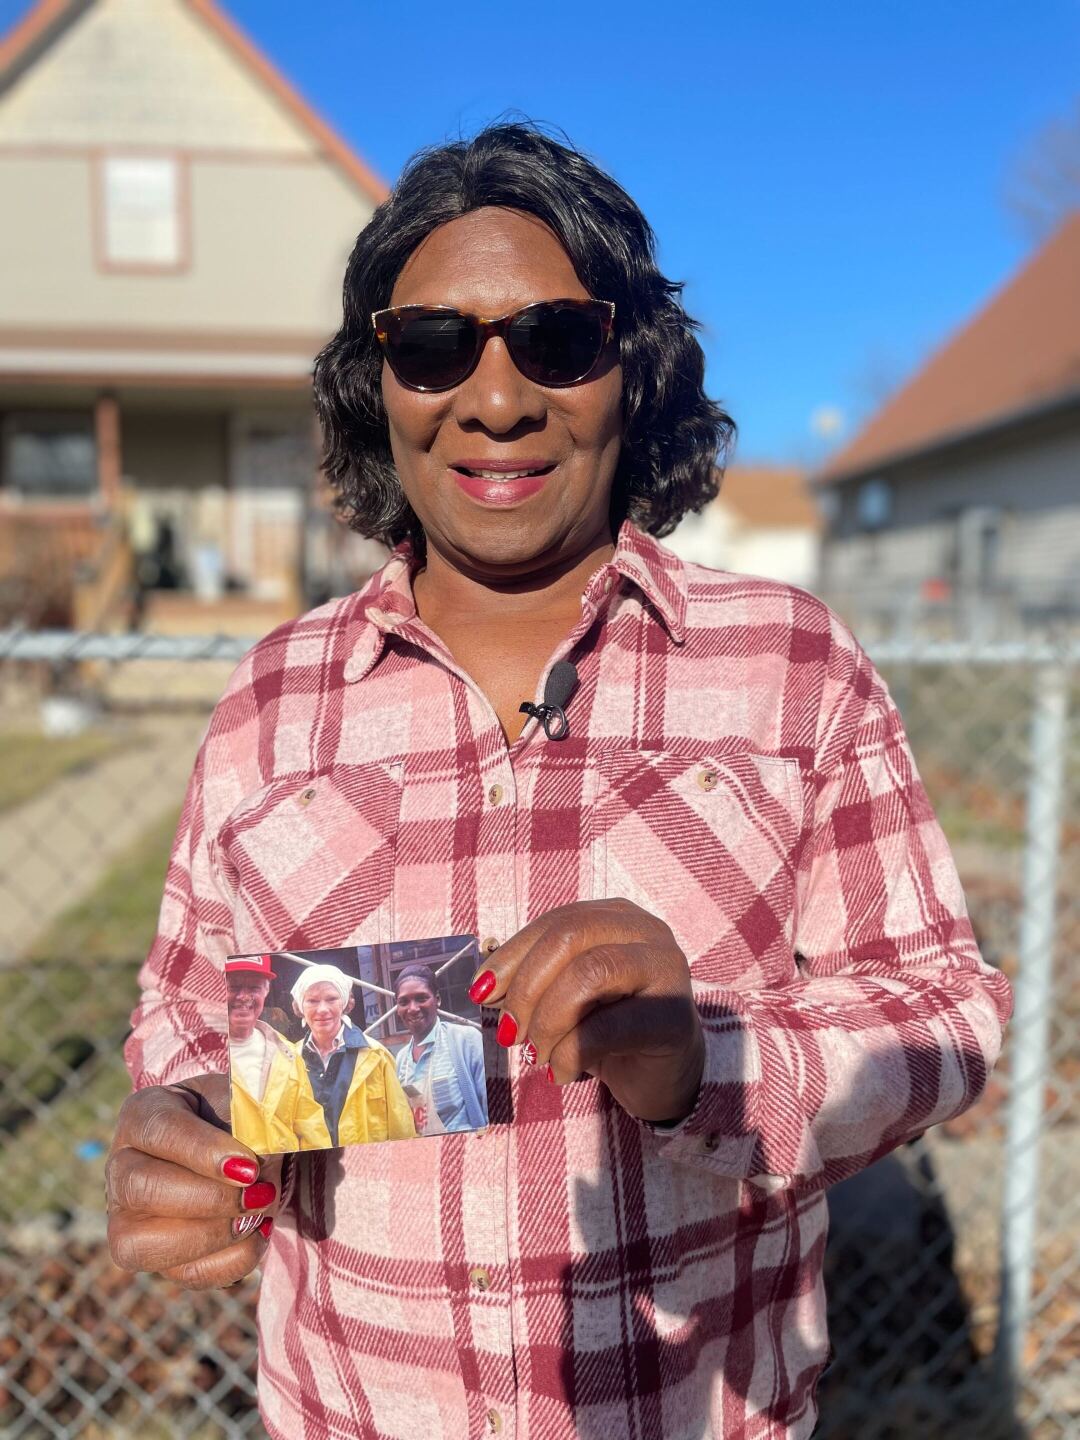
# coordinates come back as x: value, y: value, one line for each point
x: 107, y: 436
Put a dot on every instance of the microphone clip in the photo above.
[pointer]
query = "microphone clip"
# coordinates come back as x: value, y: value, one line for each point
x: 560, y: 685
x: 552, y: 717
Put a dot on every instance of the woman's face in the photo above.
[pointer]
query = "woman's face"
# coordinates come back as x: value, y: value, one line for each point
x: 417, y: 1007
x: 489, y: 263
x: 322, y: 1009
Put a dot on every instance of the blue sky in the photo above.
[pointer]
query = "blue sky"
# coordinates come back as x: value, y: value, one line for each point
x: 828, y: 179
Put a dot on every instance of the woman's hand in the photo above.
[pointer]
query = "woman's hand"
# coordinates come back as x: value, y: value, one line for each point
x: 600, y: 986
x: 184, y: 1197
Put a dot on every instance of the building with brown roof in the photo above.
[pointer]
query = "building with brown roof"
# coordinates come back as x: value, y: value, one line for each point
x: 176, y: 226
x: 964, y: 488
x: 765, y: 521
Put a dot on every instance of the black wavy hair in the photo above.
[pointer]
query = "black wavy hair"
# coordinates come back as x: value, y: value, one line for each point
x: 675, y: 439
x: 417, y: 971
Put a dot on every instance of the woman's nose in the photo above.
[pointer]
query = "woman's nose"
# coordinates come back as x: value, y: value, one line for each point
x: 496, y: 395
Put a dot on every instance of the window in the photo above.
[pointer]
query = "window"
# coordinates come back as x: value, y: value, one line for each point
x: 828, y: 504
x: 874, y: 504
x: 141, y: 220
x: 50, y: 456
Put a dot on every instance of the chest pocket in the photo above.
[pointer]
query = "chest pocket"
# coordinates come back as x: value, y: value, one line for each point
x: 309, y: 862
x: 710, y: 846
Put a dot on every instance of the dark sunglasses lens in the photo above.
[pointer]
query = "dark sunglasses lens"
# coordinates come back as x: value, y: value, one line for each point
x: 555, y: 344
x: 433, y: 351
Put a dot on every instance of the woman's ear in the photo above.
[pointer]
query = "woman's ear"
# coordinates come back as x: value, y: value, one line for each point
x: 350, y: 1004
x: 297, y: 1011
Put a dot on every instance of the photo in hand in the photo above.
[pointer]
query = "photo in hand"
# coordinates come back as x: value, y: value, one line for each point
x: 356, y: 1044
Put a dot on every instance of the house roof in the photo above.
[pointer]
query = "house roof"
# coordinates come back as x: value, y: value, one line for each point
x: 769, y: 497
x: 47, y: 19
x: 1019, y: 354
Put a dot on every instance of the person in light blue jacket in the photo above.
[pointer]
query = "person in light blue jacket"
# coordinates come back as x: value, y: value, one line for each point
x: 442, y: 1067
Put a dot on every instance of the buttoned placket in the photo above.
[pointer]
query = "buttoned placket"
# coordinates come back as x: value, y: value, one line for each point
x: 496, y: 922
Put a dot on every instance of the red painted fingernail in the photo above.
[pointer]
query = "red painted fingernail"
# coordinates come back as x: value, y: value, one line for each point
x: 237, y: 1168
x: 550, y: 1073
x: 482, y: 987
x: 257, y: 1197
x: 506, y: 1034
x: 528, y: 1053
x: 245, y: 1225
x: 265, y: 1228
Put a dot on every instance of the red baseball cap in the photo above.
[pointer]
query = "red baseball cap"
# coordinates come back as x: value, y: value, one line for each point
x: 250, y: 964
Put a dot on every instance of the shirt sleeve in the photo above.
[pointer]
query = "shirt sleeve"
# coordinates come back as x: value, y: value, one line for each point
x: 893, y: 1022
x: 399, y: 1116
x: 180, y: 1026
x: 476, y: 1067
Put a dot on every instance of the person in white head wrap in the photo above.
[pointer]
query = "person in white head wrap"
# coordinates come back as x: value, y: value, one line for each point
x: 323, y: 975
x: 352, y: 1076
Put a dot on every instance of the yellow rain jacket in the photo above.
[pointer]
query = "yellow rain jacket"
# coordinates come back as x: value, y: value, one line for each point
x: 288, y: 1117
x: 374, y: 1107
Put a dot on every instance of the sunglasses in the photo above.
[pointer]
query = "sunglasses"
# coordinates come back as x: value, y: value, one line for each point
x: 554, y: 342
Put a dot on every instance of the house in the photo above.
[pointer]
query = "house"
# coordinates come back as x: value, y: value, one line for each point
x: 763, y: 522
x: 961, y: 496
x: 176, y: 226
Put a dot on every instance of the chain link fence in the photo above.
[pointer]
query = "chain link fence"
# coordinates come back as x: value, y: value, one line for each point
x: 953, y: 1266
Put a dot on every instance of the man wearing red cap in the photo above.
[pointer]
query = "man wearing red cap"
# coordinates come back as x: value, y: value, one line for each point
x: 273, y: 1106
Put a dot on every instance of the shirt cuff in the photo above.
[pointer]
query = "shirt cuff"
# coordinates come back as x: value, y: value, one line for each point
x: 719, y: 1134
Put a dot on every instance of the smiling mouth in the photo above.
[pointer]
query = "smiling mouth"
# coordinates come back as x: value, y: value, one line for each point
x: 475, y: 474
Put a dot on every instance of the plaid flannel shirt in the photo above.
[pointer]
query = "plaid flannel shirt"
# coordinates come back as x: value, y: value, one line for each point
x: 734, y: 765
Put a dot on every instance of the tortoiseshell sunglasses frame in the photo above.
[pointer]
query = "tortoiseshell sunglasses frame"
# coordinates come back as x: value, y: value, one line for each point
x: 484, y: 327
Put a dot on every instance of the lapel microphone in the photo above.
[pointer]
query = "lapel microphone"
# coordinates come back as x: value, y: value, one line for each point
x: 561, y: 684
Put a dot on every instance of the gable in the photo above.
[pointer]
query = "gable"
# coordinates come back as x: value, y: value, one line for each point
x: 125, y: 72
x: 1019, y: 353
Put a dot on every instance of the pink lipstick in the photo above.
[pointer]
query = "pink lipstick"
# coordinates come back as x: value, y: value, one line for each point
x: 501, y: 482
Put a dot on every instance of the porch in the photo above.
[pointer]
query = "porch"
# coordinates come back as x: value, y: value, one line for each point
x: 171, y: 509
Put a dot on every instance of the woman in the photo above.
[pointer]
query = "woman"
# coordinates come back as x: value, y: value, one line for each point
x: 441, y: 1068
x: 273, y: 1109
x: 717, y: 916
x: 351, y: 1075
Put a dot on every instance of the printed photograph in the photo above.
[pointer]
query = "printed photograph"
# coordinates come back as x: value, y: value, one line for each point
x: 356, y: 1044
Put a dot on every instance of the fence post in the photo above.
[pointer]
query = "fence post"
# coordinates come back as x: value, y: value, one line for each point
x: 1031, y: 1018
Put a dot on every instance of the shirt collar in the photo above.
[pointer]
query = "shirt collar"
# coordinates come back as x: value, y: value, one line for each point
x: 386, y: 605
x: 430, y: 1037
x: 339, y: 1040
x: 658, y: 573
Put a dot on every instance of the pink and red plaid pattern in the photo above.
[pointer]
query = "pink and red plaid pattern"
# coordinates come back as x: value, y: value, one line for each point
x: 736, y: 766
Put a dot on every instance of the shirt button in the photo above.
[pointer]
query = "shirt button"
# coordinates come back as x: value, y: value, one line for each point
x: 707, y: 779
x: 494, y: 1421
x: 306, y: 796
x: 710, y: 1143
x: 479, y: 1277
x: 490, y: 945
x: 495, y: 794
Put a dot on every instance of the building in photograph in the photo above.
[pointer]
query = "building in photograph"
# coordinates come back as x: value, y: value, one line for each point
x: 176, y: 226
x: 763, y: 522
x: 960, y: 499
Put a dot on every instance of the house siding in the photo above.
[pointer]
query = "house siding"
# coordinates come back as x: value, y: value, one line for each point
x: 1031, y: 477
x: 719, y: 539
x: 268, y: 241
x: 91, y: 87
